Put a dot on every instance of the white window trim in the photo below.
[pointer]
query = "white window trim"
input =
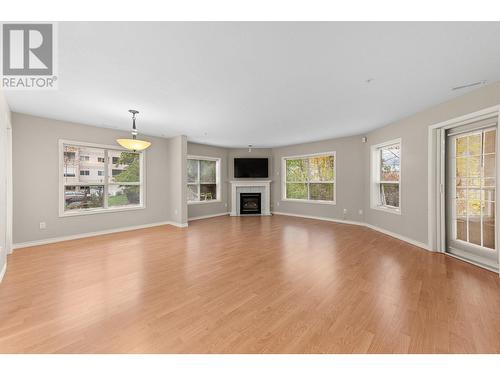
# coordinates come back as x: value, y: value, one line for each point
x: 375, y: 177
x: 304, y: 156
x: 217, y: 179
x: 92, y: 211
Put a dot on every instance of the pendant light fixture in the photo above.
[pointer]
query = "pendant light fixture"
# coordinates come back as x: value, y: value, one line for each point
x: 133, y: 143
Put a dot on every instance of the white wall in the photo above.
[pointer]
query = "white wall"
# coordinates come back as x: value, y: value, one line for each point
x: 5, y: 183
x: 36, y: 178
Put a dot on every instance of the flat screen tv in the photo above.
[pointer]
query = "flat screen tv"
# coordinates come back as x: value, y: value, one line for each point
x: 251, y: 168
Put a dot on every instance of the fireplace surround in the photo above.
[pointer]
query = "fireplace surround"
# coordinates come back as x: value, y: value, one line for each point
x: 263, y: 187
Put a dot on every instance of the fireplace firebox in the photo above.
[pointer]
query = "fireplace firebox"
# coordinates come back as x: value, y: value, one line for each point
x: 250, y: 204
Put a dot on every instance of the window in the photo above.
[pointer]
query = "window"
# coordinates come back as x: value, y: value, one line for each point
x: 386, y: 176
x: 100, y: 160
x: 115, y: 183
x: 203, y: 179
x: 309, y: 178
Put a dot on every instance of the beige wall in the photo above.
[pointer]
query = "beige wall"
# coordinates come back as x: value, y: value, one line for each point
x: 177, y: 179
x: 211, y: 208
x: 413, y: 131
x: 243, y: 153
x: 5, y: 180
x: 36, y: 179
x: 227, y: 156
x: 349, y: 179
x: 35, y: 154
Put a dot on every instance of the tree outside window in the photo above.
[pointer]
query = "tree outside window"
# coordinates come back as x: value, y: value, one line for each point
x: 310, y: 178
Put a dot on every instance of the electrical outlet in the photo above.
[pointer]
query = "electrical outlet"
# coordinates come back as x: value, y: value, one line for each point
x: 360, y: 212
x: 277, y: 203
x: 176, y: 211
x: 345, y: 211
x: 225, y: 204
x: 43, y: 225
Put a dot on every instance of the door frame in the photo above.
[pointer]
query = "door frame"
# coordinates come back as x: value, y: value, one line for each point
x: 437, y: 178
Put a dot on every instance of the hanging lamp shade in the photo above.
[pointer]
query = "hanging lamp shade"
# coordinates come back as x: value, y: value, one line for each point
x: 133, y: 143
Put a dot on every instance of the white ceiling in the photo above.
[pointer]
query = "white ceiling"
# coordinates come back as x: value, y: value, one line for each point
x: 266, y: 84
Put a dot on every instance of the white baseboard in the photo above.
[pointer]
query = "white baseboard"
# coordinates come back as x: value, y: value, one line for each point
x: 208, y: 216
x: 2, y: 272
x: 399, y: 237
x: 321, y: 218
x: 378, y: 229
x: 178, y: 225
x: 90, y: 234
x: 184, y: 225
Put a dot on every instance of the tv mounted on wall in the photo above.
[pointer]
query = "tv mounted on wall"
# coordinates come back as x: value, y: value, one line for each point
x: 251, y: 168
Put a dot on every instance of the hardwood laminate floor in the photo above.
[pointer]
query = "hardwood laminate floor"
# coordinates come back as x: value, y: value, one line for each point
x: 246, y: 285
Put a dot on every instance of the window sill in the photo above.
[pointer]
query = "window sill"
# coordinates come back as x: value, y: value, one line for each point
x: 204, y: 202
x: 100, y: 211
x: 396, y: 211
x: 332, y: 203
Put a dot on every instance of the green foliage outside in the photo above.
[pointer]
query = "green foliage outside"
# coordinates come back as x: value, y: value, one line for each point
x: 118, y: 200
x: 130, y: 174
x: 313, y: 171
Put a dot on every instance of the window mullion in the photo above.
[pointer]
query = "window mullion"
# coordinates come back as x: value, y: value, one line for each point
x: 308, y: 179
x: 198, y: 178
x: 105, y: 200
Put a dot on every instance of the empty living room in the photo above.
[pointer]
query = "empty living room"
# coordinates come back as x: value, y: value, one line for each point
x: 214, y: 186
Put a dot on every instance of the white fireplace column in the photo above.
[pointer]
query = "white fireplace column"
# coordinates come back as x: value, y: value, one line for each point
x: 254, y: 186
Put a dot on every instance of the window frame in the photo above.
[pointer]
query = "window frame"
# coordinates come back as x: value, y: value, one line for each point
x: 307, y: 156
x: 217, y: 179
x: 106, y: 183
x: 375, y: 156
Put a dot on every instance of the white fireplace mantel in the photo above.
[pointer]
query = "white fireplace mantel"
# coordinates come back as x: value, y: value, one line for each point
x: 237, y: 185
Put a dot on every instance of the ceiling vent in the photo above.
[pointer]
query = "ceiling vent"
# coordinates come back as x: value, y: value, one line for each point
x: 479, y: 83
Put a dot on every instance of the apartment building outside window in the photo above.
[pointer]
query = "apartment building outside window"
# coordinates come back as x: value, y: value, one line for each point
x: 97, y: 178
